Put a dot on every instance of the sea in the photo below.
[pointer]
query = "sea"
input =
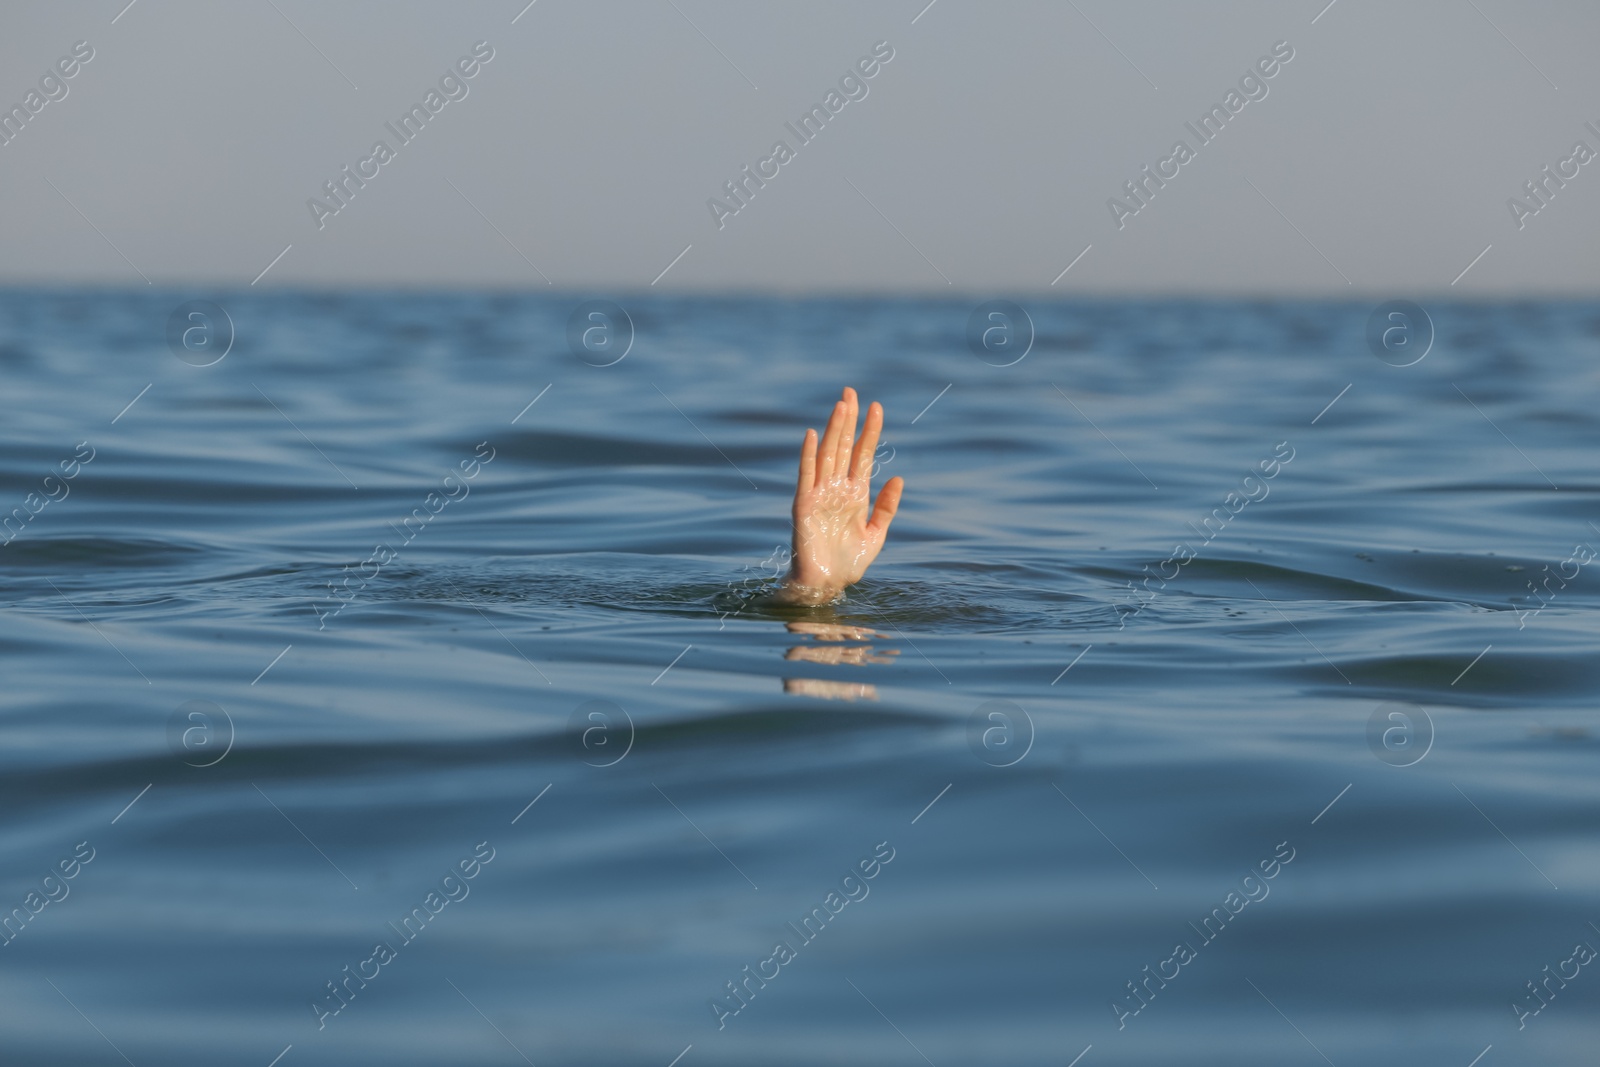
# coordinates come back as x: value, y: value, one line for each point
x: 389, y: 678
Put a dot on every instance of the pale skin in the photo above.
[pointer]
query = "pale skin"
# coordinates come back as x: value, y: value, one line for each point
x: 836, y: 537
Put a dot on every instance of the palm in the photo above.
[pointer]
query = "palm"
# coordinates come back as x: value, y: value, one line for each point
x: 836, y: 536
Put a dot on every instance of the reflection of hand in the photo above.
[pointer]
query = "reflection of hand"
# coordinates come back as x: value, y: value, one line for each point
x: 835, y: 539
x: 830, y: 631
x: 816, y: 687
x: 853, y: 655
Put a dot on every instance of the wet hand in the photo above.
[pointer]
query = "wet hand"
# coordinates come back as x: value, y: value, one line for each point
x: 836, y: 538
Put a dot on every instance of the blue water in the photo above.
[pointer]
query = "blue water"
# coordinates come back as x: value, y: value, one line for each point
x: 1163, y: 741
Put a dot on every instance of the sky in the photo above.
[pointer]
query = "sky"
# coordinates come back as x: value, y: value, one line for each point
x: 590, y: 149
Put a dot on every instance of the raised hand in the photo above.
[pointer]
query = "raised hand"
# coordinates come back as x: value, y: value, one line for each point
x: 835, y: 537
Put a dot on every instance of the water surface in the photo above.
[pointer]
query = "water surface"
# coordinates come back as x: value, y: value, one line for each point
x: 1164, y: 739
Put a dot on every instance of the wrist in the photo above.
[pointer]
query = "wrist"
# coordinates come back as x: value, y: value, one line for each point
x: 808, y: 587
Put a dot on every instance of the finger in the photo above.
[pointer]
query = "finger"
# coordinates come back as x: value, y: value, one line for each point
x: 830, y: 443
x: 808, y: 463
x: 847, y: 440
x: 888, y: 503
x: 867, y: 448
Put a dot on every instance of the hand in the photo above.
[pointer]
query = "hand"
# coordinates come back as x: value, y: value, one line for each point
x: 835, y: 540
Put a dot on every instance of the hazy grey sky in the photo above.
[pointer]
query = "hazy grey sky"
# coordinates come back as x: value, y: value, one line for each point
x: 981, y: 158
